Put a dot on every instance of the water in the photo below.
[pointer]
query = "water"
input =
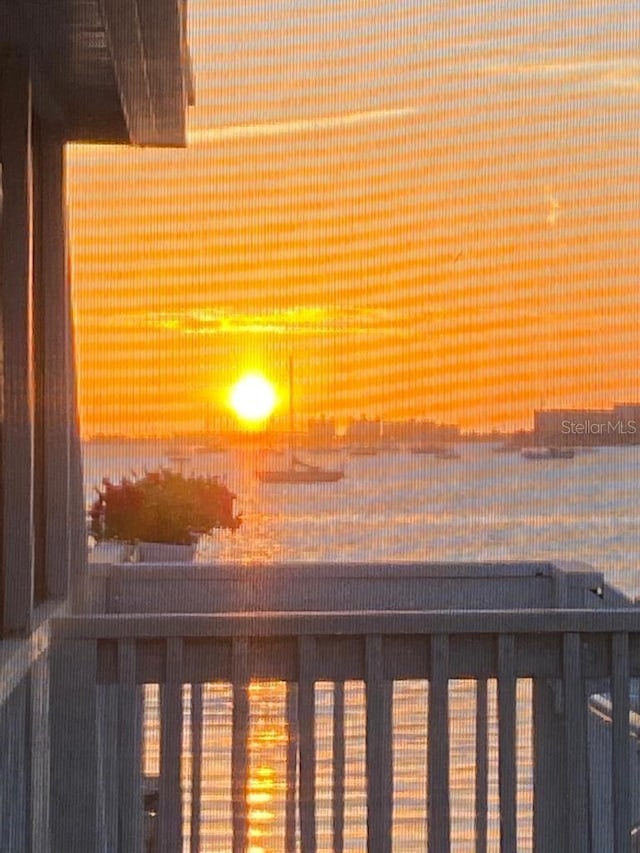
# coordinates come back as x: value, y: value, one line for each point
x: 398, y: 506
x: 391, y: 507
x: 267, y: 766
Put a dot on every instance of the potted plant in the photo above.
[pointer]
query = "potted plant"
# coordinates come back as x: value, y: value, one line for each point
x: 161, y: 516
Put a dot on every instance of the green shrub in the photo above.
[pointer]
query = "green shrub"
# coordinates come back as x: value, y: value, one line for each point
x: 162, y: 507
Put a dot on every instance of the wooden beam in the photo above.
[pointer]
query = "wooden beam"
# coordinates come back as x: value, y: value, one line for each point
x: 126, y: 44
x: 162, y: 29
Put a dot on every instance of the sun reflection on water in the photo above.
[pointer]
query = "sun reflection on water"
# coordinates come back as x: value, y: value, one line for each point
x: 266, y: 781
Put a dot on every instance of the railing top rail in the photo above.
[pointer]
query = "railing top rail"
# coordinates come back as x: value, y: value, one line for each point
x: 507, y: 569
x: 351, y: 623
x: 414, y: 568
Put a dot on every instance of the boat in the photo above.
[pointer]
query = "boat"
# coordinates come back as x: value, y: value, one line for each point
x: 298, y: 472
x: 364, y: 450
x: 426, y: 449
x: 211, y: 446
x: 177, y: 457
x: 446, y: 454
x: 506, y: 447
x: 540, y: 453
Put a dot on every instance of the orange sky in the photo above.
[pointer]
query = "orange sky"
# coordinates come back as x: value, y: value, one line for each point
x: 436, y: 211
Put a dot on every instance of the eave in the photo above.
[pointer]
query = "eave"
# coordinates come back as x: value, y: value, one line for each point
x: 113, y: 71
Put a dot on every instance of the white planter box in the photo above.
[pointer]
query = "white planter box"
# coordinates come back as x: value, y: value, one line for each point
x: 161, y: 552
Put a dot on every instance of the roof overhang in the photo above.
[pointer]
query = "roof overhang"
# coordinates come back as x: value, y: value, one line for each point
x: 115, y: 71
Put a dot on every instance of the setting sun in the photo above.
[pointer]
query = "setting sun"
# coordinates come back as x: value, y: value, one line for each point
x: 253, y: 398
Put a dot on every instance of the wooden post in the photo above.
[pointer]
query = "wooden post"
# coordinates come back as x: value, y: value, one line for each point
x: 17, y: 315
x: 438, y: 807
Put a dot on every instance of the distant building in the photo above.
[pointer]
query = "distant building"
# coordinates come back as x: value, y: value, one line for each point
x: 321, y: 432
x: 363, y: 431
x: 574, y: 427
x: 419, y: 432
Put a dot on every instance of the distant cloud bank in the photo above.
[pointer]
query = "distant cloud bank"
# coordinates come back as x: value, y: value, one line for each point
x: 296, y: 321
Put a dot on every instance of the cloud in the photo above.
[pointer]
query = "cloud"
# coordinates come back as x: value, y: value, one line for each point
x: 616, y: 72
x: 554, y: 208
x: 294, y: 321
x: 292, y: 126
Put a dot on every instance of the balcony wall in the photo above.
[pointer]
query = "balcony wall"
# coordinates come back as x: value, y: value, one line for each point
x: 198, y: 588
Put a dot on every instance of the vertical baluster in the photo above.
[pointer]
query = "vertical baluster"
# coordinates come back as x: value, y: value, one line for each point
x: 578, y: 832
x: 438, y: 747
x: 130, y: 804
x: 306, y: 729
x: 549, y: 774
x: 338, y: 766
x: 379, y: 756
x: 482, y: 766
x: 239, y: 744
x: 170, y: 800
x: 196, y: 766
x: 292, y: 761
x: 507, y: 778
x: 620, y: 759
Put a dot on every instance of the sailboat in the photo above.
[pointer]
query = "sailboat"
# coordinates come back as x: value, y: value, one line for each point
x: 297, y: 470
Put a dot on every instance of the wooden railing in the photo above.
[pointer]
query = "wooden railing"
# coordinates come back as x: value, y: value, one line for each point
x: 567, y: 654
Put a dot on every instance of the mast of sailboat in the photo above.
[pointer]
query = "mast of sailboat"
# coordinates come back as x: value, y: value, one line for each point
x: 291, y: 401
